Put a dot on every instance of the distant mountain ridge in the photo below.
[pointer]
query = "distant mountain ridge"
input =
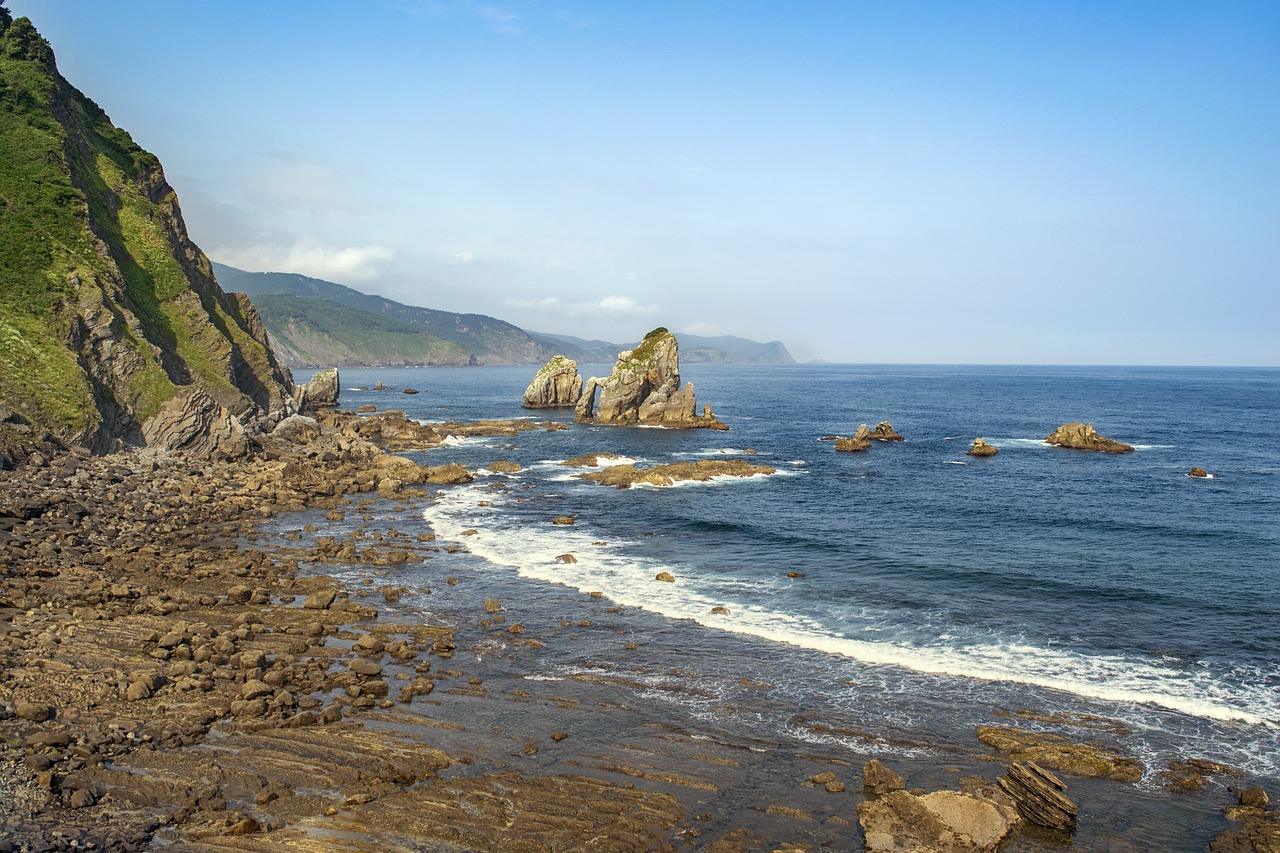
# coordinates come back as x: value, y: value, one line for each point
x: 317, y: 323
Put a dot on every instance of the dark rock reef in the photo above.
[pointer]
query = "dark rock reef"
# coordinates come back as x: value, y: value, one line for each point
x: 625, y: 476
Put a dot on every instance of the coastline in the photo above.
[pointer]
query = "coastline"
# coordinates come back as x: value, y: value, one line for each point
x: 440, y: 737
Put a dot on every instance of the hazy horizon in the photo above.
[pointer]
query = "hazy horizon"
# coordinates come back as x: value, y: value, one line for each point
x: 914, y: 183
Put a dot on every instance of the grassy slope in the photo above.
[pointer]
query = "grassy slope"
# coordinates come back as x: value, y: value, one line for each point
x: 490, y: 340
x: 314, y: 332
x: 105, y: 304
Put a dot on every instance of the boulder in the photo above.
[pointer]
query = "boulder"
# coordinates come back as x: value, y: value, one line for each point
x: 297, y: 428
x: 1078, y: 436
x: 644, y: 388
x: 1039, y: 796
x: 1198, y: 472
x: 321, y: 392
x: 556, y: 385
x: 878, y: 779
x: 981, y: 448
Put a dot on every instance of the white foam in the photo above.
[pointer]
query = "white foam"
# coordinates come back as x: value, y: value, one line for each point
x: 628, y: 581
x: 953, y: 462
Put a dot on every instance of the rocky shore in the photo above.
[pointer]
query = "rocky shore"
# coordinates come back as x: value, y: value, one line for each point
x: 174, y: 676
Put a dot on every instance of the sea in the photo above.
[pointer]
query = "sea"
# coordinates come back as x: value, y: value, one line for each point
x: 910, y: 593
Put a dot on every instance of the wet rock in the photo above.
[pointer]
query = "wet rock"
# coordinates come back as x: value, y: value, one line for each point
x: 859, y: 441
x: 320, y: 600
x: 665, y: 577
x: 885, y: 432
x: 941, y: 822
x: 566, y: 558
x: 1199, y: 473
x: 1078, y: 436
x: 363, y: 666
x: 878, y: 779
x: 563, y: 519
x: 1038, y: 794
x: 981, y: 448
x: 1058, y: 753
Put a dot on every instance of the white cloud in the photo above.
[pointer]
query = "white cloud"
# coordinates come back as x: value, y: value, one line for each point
x: 614, y: 306
x: 499, y: 19
x: 461, y: 258
x: 706, y: 330
x: 306, y: 256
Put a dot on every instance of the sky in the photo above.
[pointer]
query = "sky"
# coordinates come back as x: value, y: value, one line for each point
x: 905, y: 182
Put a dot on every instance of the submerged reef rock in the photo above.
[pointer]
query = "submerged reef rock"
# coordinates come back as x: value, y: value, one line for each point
x: 981, y: 448
x: 644, y: 388
x: 1078, y: 436
x: 556, y: 385
x: 624, y: 476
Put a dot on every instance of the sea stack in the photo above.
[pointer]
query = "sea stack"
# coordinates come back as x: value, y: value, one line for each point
x: 644, y: 388
x: 556, y: 385
x: 1078, y: 436
x: 321, y: 392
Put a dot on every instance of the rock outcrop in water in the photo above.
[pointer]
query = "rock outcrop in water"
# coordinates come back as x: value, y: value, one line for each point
x: 981, y: 448
x: 644, y: 388
x: 1078, y: 436
x: 625, y: 476
x: 556, y: 385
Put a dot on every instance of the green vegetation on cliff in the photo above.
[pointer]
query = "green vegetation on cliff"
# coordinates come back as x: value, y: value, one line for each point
x: 106, y: 307
x: 311, y: 332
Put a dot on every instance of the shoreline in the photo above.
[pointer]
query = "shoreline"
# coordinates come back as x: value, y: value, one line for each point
x: 174, y: 647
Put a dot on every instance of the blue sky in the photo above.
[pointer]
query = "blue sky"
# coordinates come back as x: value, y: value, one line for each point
x: 1022, y: 182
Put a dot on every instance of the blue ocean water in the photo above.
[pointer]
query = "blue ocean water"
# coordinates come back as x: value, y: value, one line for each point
x: 933, y: 591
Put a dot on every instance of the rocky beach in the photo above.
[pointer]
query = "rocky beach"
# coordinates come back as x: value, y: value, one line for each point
x: 182, y: 668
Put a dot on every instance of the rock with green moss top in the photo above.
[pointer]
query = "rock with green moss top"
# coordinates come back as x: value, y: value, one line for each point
x: 556, y: 385
x: 644, y: 388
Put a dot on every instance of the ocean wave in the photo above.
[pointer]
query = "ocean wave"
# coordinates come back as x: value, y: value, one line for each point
x: 628, y: 580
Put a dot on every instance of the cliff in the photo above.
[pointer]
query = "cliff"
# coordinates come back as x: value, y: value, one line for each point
x: 109, y: 313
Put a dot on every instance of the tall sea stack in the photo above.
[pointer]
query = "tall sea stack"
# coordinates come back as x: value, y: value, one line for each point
x: 644, y: 388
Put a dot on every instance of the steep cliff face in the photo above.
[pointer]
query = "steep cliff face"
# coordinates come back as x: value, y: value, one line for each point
x: 108, y: 312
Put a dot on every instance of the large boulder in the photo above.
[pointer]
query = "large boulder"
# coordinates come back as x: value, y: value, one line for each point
x: 556, y: 385
x: 1078, y: 436
x: 644, y: 388
x: 321, y: 392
